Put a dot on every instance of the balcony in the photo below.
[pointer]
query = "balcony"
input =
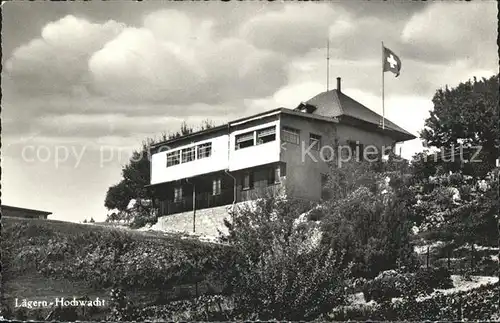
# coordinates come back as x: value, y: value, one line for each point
x: 206, y: 200
x: 259, y: 192
x: 203, y: 200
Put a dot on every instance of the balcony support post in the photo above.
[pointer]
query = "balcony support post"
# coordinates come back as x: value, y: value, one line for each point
x: 194, y: 203
x: 234, y: 187
x: 194, y: 208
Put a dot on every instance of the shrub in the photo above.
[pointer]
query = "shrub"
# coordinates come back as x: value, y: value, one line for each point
x: 434, y: 278
x: 103, y: 257
x: 281, y: 271
x: 203, y: 308
x: 375, y: 230
x: 385, y: 286
x: 479, y: 304
x: 391, y: 284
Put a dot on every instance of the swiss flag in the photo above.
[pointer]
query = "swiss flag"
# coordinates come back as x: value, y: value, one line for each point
x: 391, y: 62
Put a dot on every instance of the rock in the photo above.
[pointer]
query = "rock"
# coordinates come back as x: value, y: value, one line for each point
x: 131, y: 204
x: 455, y: 194
x: 483, y: 185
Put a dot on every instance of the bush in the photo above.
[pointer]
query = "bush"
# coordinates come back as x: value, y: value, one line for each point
x: 104, y: 257
x: 434, y: 278
x: 426, y: 280
x: 391, y: 284
x: 479, y: 304
x: 203, y: 308
x: 375, y: 230
x: 281, y: 269
x: 385, y: 286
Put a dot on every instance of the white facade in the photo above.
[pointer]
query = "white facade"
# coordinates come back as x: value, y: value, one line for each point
x: 255, y: 155
x: 224, y: 156
x: 218, y: 160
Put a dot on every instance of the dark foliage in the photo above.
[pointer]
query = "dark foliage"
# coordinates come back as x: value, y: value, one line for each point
x: 104, y: 257
x: 279, y: 272
x: 374, y: 218
x: 479, y: 304
x: 466, y: 114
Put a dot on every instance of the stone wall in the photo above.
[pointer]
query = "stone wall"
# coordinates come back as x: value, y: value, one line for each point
x: 208, y: 221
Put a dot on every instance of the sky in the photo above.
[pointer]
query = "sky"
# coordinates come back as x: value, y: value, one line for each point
x: 84, y: 83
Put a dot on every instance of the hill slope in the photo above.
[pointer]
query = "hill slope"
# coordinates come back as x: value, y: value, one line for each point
x: 44, y: 259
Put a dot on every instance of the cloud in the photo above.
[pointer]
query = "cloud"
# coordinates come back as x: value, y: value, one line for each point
x: 155, y: 70
x: 103, y: 125
x: 181, y: 68
x: 57, y: 60
x: 296, y: 29
x: 453, y: 31
x: 151, y: 63
x: 136, y: 65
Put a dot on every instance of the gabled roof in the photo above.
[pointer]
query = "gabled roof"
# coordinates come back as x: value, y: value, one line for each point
x: 334, y: 103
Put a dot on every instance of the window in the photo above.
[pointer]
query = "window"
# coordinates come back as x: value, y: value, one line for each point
x: 244, y: 140
x: 178, y: 194
x: 290, y: 135
x: 173, y: 158
x: 266, y: 135
x: 274, y: 175
x: 216, y: 186
x: 188, y: 154
x: 277, y: 174
x: 325, y: 191
x: 356, y: 149
x: 247, y: 181
x: 204, y: 150
x: 315, y: 141
x: 324, y: 180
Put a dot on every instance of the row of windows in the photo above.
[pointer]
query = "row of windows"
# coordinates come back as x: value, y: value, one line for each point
x: 292, y: 135
x: 244, y: 140
x: 189, y: 154
x: 269, y: 134
x: 257, y: 137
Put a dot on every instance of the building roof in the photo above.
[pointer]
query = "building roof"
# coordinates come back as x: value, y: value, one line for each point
x: 21, y: 209
x: 248, y: 119
x: 331, y: 106
x: 335, y: 103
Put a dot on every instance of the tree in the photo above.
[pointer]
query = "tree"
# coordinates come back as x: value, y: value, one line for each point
x: 280, y: 270
x: 474, y: 220
x: 92, y: 220
x: 118, y: 196
x: 466, y: 115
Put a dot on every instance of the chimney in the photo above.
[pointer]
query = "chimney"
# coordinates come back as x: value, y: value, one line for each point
x: 338, y: 85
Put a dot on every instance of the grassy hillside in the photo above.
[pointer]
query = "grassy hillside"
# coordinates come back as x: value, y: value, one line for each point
x: 44, y: 259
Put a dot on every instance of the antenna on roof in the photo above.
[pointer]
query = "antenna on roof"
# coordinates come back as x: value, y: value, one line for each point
x: 328, y: 63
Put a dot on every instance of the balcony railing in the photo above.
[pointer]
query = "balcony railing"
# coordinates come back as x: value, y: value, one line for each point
x: 203, y: 200
x: 207, y: 199
x: 259, y: 192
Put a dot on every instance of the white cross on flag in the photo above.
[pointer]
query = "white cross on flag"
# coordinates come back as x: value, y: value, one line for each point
x: 391, y: 62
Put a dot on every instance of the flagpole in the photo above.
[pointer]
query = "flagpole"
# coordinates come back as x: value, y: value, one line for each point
x: 383, y: 105
x: 328, y: 64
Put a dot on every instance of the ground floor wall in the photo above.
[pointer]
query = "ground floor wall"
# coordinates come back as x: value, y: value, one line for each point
x: 207, y: 222
x: 238, y: 186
